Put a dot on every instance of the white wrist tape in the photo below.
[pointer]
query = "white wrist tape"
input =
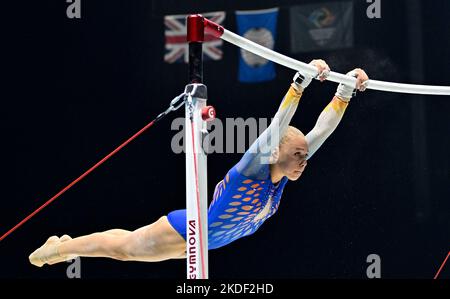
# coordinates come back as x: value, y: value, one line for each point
x: 346, y: 92
x: 302, y: 81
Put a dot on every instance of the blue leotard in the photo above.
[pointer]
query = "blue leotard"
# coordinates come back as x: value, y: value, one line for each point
x: 232, y: 214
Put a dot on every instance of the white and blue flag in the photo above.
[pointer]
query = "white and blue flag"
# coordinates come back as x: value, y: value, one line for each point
x: 258, y: 26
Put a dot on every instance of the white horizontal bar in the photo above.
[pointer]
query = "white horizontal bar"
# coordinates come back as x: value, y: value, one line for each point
x: 307, y: 69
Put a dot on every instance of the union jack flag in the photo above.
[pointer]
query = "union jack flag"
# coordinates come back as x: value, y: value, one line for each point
x: 176, y: 45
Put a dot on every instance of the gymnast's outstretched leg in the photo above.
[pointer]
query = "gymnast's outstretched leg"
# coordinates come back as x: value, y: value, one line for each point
x: 155, y: 242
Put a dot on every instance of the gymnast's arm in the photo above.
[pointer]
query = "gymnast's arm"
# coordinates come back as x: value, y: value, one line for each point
x: 326, y: 124
x: 254, y: 162
x: 332, y: 114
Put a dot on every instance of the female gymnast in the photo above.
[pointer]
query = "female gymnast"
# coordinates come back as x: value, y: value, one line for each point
x: 246, y: 197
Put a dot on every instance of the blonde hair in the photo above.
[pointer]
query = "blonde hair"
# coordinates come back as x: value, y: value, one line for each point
x: 289, y: 134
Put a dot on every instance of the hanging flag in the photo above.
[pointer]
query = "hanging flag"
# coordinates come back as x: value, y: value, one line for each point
x: 177, y: 46
x: 258, y: 26
x: 322, y: 26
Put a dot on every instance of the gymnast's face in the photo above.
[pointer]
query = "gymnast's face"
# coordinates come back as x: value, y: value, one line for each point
x: 292, y: 156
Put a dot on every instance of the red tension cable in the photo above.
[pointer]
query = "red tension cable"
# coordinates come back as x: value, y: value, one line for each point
x: 174, y: 105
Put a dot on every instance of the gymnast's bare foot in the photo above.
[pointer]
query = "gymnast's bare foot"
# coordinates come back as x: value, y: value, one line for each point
x: 48, y: 253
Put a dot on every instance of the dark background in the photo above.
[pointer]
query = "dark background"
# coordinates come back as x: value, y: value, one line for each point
x: 75, y: 89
